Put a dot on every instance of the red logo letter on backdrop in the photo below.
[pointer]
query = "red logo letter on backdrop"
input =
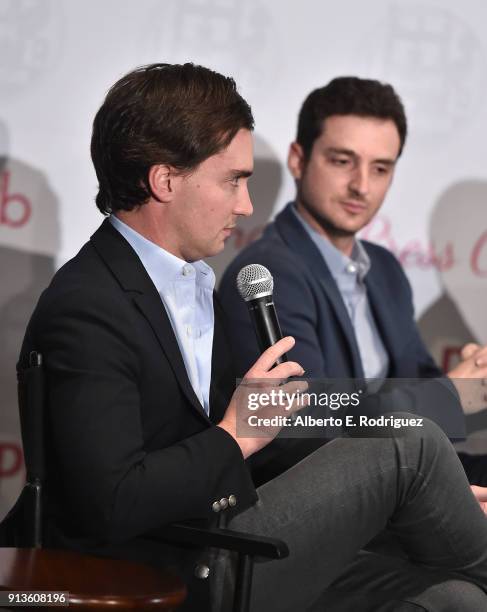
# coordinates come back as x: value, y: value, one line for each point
x: 10, y: 459
x: 477, y: 251
x: 7, y: 201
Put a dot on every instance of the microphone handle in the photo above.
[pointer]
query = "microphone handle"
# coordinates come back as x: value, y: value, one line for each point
x: 266, y: 324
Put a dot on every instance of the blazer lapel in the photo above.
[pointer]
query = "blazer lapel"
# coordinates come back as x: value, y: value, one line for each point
x: 295, y: 236
x: 132, y: 276
x: 153, y: 310
x: 223, y: 378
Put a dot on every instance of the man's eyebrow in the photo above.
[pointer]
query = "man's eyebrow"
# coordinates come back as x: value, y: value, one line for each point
x: 240, y: 173
x: 340, y: 151
x: 386, y: 161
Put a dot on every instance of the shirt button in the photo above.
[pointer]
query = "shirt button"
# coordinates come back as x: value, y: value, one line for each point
x: 352, y: 268
x: 188, y: 330
x: 187, y: 271
x: 202, y: 572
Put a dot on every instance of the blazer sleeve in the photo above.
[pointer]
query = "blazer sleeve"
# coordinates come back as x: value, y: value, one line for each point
x: 420, y: 387
x: 114, y: 488
x: 425, y: 365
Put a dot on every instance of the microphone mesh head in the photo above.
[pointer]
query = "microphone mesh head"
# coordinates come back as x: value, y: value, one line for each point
x: 254, y: 281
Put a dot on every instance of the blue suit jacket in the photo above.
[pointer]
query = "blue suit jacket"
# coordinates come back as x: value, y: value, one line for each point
x: 311, y: 309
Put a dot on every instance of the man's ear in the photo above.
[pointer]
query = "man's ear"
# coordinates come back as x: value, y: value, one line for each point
x: 295, y: 160
x: 161, y: 182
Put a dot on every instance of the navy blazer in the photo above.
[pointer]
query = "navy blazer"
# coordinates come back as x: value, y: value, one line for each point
x: 130, y: 448
x: 311, y: 309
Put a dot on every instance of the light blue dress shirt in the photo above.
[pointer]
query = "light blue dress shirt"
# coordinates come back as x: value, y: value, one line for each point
x: 349, y: 274
x: 186, y: 290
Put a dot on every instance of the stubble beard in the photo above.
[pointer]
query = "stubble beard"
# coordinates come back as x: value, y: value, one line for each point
x: 329, y: 228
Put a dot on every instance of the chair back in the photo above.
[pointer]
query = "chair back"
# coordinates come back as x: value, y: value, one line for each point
x: 22, y: 527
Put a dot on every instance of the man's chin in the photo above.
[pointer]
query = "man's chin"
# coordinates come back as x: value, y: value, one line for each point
x: 345, y: 231
x: 216, y: 249
x: 350, y: 227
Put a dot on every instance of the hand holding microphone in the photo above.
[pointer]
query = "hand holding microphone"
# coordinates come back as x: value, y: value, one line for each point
x: 255, y: 285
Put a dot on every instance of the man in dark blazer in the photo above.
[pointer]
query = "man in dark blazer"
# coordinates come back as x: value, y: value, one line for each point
x: 347, y: 302
x: 133, y: 446
x: 142, y: 422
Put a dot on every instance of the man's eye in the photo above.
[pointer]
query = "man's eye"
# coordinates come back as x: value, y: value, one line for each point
x: 382, y: 169
x: 235, y: 181
x: 340, y: 161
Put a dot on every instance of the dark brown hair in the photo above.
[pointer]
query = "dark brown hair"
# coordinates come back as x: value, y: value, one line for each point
x: 161, y: 114
x: 349, y: 96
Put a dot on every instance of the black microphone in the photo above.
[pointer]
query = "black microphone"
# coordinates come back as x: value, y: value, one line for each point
x: 255, y: 284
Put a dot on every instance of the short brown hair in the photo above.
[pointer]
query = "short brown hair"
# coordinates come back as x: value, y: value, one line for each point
x: 161, y: 114
x: 349, y: 96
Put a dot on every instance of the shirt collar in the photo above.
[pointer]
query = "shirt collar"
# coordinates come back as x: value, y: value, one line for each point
x: 338, y: 263
x: 164, y: 267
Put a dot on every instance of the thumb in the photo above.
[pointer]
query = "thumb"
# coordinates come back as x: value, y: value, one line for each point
x: 468, y: 350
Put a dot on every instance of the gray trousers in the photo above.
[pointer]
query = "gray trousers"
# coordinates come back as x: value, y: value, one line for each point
x: 409, y: 488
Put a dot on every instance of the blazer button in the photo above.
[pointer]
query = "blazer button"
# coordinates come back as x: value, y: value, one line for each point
x: 215, y: 506
x: 223, y: 503
x: 232, y: 500
x: 202, y: 572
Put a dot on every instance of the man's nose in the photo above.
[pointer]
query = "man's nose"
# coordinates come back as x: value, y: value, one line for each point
x: 359, y: 182
x: 244, y: 205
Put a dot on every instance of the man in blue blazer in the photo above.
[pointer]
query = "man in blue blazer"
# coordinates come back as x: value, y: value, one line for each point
x: 347, y: 302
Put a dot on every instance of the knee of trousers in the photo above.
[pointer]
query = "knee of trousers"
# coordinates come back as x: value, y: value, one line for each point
x: 451, y: 596
x: 427, y: 430
x: 427, y: 440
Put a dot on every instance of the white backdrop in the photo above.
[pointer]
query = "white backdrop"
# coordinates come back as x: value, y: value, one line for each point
x: 58, y: 58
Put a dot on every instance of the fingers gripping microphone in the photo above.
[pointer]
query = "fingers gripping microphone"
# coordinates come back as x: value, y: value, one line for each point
x: 255, y: 284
